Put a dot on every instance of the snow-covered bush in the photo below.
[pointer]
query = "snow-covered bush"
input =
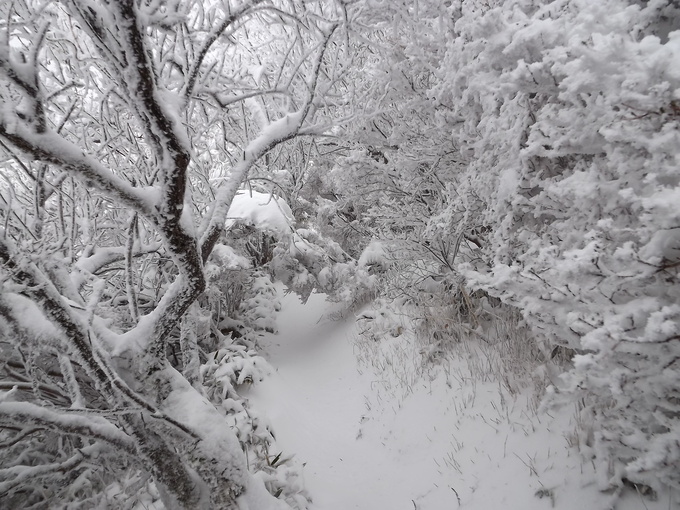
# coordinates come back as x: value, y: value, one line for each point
x: 223, y: 377
x: 228, y: 275
x: 308, y: 262
x: 260, y: 304
x: 571, y: 126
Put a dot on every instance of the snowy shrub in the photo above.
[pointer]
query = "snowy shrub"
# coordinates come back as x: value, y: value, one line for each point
x: 228, y: 277
x: 383, y: 319
x: 308, y: 261
x: 260, y: 304
x: 572, y: 126
x: 223, y: 377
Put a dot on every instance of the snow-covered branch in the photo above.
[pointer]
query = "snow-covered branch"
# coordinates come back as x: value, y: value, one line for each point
x: 99, y: 258
x: 52, y: 148
x: 31, y: 415
x: 213, y: 36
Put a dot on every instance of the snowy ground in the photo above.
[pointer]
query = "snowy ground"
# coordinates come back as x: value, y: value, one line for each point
x: 377, y: 431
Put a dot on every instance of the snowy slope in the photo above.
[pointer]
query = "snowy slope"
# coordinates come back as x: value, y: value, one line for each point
x: 377, y: 429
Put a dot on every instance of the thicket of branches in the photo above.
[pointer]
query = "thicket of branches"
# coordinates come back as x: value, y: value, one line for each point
x: 126, y: 129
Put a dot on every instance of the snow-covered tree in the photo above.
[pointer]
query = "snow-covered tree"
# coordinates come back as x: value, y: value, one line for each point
x: 126, y: 130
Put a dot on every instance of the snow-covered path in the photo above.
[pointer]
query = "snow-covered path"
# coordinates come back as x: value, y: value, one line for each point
x: 379, y: 440
x: 322, y: 421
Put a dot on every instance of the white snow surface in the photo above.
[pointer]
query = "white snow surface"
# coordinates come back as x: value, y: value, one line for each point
x: 375, y: 431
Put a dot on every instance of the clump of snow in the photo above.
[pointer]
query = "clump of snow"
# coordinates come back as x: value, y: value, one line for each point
x: 227, y: 258
x: 31, y: 316
x: 261, y: 210
x: 375, y: 254
x: 256, y: 497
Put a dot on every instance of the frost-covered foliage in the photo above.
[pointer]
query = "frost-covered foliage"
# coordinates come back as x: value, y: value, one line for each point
x: 308, y: 261
x: 572, y: 121
x: 224, y: 374
x: 560, y: 198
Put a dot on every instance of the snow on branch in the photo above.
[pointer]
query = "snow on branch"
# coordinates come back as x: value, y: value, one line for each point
x: 43, y: 293
x: 22, y: 474
x: 26, y: 414
x: 102, y: 257
x: 52, y: 148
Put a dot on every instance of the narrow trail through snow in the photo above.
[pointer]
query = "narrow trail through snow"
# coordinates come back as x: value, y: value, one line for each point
x: 316, y: 403
x: 371, y: 439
